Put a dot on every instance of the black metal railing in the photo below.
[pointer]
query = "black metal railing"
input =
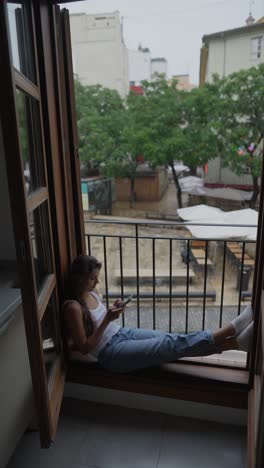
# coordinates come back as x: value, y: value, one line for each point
x: 179, y: 283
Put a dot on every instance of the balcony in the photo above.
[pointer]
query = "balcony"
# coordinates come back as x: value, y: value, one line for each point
x: 179, y: 283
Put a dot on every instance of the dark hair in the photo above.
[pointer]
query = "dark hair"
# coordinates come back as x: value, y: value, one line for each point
x: 82, y: 265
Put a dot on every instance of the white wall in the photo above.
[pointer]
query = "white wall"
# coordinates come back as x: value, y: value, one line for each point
x: 216, y: 174
x: 231, y: 54
x: 139, y: 66
x: 99, y: 53
x: 160, y: 67
x: 16, y: 400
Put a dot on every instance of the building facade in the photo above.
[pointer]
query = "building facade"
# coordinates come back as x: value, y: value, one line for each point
x: 159, y: 66
x: 99, y: 52
x: 224, y: 53
x: 139, y: 65
x: 143, y: 67
x: 183, y: 82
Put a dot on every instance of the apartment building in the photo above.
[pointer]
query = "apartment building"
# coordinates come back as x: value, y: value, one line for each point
x: 143, y: 67
x: 159, y: 65
x: 183, y: 82
x: 99, y: 52
x: 139, y: 65
x: 223, y: 53
x: 229, y: 51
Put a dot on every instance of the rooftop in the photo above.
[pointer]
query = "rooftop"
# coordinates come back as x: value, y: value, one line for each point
x: 159, y: 59
x: 258, y: 26
x: 180, y: 75
x: 96, y: 15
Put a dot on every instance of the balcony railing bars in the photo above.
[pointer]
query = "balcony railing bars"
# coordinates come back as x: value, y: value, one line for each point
x: 197, y: 283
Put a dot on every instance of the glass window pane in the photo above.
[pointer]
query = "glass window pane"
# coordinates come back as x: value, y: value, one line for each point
x: 41, y: 244
x: 31, y: 141
x: 50, y: 334
x: 21, y: 39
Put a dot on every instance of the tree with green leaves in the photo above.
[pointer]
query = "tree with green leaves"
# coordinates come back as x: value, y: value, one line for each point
x: 125, y: 160
x: 238, y: 124
x: 221, y: 119
x: 174, y: 124
x: 110, y: 137
x: 100, y: 120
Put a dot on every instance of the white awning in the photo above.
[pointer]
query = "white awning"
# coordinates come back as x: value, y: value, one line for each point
x: 211, y: 215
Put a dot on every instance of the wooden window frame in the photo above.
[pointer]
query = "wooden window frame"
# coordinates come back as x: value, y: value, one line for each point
x: 207, y: 384
x: 48, y: 390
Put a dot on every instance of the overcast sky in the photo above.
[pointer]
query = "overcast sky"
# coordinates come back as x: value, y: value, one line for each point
x: 173, y: 28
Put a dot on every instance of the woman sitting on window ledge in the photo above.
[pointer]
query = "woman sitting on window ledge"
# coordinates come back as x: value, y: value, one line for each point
x: 91, y: 329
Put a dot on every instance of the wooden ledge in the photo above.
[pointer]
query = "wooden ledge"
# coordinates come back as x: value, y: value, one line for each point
x: 202, y: 384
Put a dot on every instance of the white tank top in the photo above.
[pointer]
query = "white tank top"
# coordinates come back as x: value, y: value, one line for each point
x: 98, y: 315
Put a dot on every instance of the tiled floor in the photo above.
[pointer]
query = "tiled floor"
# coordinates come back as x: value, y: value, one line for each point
x: 99, y: 436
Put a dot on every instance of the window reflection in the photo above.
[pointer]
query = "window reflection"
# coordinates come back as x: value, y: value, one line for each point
x: 50, y: 334
x: 21, y: 39
x: 40, y: 241
x: 31, y: 141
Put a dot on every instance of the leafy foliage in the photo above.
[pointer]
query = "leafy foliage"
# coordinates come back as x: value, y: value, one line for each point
x: 239, y: 118
x: 222, y: 119
x: 175, y: 125
x: 238, y: 123
x: 99, y: 119
x: 109, y: 134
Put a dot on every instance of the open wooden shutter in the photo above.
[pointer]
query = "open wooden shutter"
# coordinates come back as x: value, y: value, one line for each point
x: 256, y: 394
x: 73, y: 131
x: 256, y: 402
x: 28, y: 180
x: 66, y: 95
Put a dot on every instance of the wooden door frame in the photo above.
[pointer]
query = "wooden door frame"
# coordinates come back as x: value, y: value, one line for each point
x: 19, y: 213
x: 59, y: 122
x: 73, y: 132
x: 44, y: 32
x: 48, y: 392
x: 59, y: 74
x: 256, y: 383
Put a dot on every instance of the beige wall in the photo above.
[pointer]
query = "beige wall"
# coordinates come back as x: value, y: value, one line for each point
x: 149, y: 187
x: 183, y: 82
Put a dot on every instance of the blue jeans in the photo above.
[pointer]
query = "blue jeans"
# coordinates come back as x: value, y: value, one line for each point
x: 135, y: 348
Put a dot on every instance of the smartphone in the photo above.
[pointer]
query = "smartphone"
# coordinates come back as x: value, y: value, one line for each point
x: 128, y: 299
x: 123, y: 304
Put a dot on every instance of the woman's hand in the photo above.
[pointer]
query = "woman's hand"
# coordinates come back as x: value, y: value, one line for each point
x: 115, y: 310
x: 118, y: 303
